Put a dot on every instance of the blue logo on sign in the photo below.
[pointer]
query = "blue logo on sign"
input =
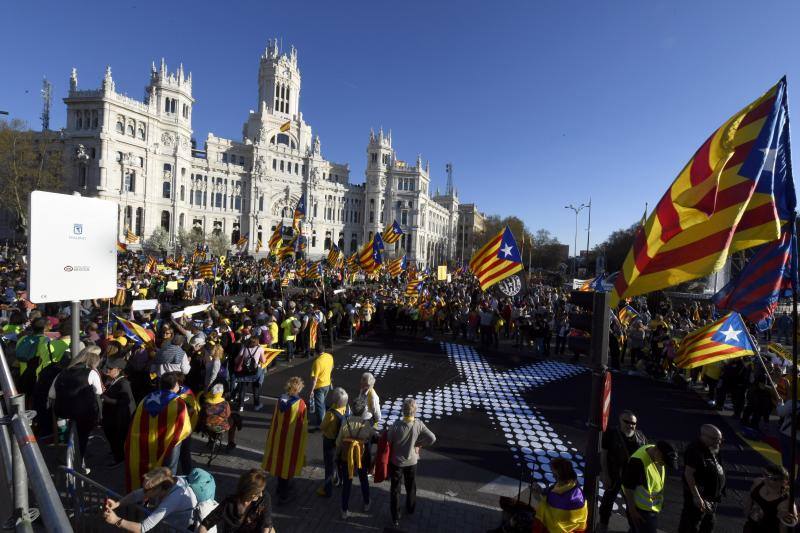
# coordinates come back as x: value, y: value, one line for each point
x: 77, y: 229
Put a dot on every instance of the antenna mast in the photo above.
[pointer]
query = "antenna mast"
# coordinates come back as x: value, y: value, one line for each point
x: 449, y: 169
x: 47, y: 100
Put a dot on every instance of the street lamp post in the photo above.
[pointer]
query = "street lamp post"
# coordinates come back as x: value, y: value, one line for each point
x: 575, y: 247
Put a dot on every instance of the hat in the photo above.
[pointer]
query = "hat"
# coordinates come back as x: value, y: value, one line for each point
x: 116, y: 362
x: 669, y: 453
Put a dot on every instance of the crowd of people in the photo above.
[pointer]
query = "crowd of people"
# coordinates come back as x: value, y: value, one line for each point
x: 194, y: 359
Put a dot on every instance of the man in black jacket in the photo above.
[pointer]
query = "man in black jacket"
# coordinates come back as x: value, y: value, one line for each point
x: 118, y: 407
x: 617, y: 446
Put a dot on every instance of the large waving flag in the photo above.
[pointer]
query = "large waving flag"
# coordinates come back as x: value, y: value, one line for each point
x: 299, y: 212
x: 413, y: 287
x: 396, y: 266
x: 160, y: 422
x: 721, y: 202
x: 334, y: 255
x: 392, y: 233
x: 370, y: 257
x: 498, y: 259
x: 131, y: 237
x: 771, y: 270
x: 724, y: 339
x: 275, y: 240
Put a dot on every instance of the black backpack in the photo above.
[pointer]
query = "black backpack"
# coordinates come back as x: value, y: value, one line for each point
x: 75, y: 397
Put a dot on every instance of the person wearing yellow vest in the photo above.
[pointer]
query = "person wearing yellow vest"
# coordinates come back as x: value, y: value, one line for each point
x: 643, y: 484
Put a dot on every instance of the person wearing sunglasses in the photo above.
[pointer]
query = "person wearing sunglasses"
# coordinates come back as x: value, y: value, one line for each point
x: 618, y: 445
x: 767, y: 506
x: 703, y: 481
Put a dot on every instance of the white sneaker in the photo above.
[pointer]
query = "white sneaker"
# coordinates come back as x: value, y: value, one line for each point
x: 349, y: 340
x: 366, y: 507
x: 345, y: 515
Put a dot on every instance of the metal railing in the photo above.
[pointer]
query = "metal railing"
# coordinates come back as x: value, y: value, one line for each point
x: 23, y: 463
x: 88, y: 499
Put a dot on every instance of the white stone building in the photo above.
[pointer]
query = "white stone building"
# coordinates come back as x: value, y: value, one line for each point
x: 141, y: 154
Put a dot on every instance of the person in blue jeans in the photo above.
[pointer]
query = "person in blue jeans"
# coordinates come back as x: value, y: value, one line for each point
x: 331, y: 424
x: 352, y: 449
x: 321, y: 370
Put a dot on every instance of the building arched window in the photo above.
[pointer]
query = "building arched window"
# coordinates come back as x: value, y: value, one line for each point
x: 328, y: 241
x: 237, y: 202
x: 165, y: 220
x: 82, y: 181
x: 78, y: 120
x: 139, y: 221
x: 166, y: 190
x: 282, y: 138
x: 183, y: 191
x: 314, y: 239
x: 181, y: 220
x: 286, y: 212
x: 130, y: 129
x: 261, y: 203
x: 128, y: 217
x: 120, y: 125
x: 140, y: 132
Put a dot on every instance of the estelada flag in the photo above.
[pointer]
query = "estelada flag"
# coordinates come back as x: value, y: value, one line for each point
x: 313, y: 333
x: 496, y: 260
x: 119, y: 299
x: 721, y: 202
x: 724, y: 339
x: 136, y: 332
x: 269, y: 355
x: 160, y: 422
x: 275, y: 239
x: 392, y: 233
x: 285, y: 450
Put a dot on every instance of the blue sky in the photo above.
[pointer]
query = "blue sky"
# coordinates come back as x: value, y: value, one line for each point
x: 537, y: 104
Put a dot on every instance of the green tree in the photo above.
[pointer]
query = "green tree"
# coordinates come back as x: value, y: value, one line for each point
x: 218, y: 243
x: 616, y: 247
x: 158, y: 241
x: 188, y: 240
x: 29, y: 161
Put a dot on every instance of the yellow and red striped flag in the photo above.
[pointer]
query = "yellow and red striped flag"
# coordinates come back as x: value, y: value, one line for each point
x: 284, y: 452
x: 286, y: 126
x: 160, y: 422
x: 396, y: 266
x: 131, y: 237
x: 392, y: 233
x: 726, y: 338
x: 269, y: 355
x: 122, y: 247
x: 720, y: 203
x: 275, y: 239
x: 313, y: 333
x: 206, y: 270
x: 498, y: 259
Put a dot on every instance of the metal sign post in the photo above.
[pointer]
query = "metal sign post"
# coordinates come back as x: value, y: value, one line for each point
x: 599, y: 351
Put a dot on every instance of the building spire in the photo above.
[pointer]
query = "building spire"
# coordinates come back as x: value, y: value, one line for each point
x: 73, y: 80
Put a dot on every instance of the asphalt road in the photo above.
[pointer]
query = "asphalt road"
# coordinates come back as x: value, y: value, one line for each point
x: 503, y: 413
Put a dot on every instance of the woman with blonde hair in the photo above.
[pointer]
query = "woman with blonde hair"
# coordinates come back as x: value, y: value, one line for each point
x: 285, y: 450
x: 214, y: 369
x: 75, y: 393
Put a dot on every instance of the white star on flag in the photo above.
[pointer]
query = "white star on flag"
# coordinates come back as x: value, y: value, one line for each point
x: 731, y: 334
x: 507, y: 249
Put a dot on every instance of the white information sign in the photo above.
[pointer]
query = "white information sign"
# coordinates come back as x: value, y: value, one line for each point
x: 71, y: 248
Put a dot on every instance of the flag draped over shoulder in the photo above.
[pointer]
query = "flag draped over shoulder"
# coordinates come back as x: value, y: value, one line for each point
x: 392, y: 233
x: 721, y: 202
x: 285, y: 450
x: 160, y: 422
x: 498, y: 259
x: 561, y: 510
x: 726, y: 338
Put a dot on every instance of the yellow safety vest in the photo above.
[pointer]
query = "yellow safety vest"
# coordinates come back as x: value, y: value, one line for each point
x: 650, y: 496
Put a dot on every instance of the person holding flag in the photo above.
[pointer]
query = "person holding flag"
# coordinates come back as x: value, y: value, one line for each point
x: 160, y: 424
x: 299, y: 213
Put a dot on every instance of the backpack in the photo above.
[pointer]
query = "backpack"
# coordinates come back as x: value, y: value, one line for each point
x: 202, y: 484
x: 382, y: 458
x: 247, y: 363
x: 75, y: 397
x: 28, y: 347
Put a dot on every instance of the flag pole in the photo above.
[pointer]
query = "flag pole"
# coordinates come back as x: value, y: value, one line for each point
x: 793, y: 260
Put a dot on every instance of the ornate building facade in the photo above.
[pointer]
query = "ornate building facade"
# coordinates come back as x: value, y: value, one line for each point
x: 141, y: 154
